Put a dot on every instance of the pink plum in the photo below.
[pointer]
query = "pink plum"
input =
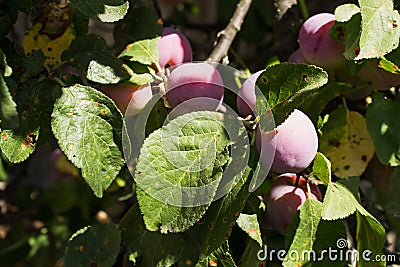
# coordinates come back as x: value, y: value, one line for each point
x: 295, y: 142
x: 133, y: 95
x: 246, y: 99
x: 173, y: 48
x: 194, y: 80
x: 286, y: 197
x: 316, y: 45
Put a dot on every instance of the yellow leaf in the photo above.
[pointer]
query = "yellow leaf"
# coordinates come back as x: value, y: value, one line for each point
x: 52, y: 49
x: 351, y: 157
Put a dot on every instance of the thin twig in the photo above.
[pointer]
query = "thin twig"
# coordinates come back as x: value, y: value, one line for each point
x: 227, y: 35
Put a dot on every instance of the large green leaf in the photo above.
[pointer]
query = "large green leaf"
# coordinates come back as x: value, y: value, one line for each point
x: 384, y: 127
x: 88, y: 127
x: 303, y: 240
x: 186, y: 155
x: 95, y: 245
x: 286, y: 86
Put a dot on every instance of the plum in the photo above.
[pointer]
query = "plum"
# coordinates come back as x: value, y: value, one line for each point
x: 173, y: 48
x: 194, y: 80
x: 379, y: 78
x: 295, y: 142
x: 286, y: 197
x: 246, y: 98
x: 297, y: 57
x: 133, y: 95
x: 317, y: 46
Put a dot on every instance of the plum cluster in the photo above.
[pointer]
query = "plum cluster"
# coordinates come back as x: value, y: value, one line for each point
x: 317, y: 47
x: 288, y: 150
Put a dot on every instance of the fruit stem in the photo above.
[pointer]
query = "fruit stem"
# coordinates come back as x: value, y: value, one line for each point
x: 303, y: 9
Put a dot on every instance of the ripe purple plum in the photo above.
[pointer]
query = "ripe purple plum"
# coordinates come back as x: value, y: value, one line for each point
x: 317, y: 46
x: 286, y: 197
x: 133, y: 96
x: 246, y: 99
x: 295, y: 142
x: 378, y: 77
x: 194, y: 80
x: 297, y: 57
x: 173, y: 48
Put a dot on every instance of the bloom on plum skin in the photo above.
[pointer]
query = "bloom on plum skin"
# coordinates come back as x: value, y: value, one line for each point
x: 295, y: 142
x: 194, y: 80
x: 286, y: 197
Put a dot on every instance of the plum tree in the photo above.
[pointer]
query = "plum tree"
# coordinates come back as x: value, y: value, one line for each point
x: 286, y: 197
x: 173, y: 48
x: 194, y: 80
x: 134, y: 96
x: 246, y: 98
x: 316, y: 45
x: 295, y: 142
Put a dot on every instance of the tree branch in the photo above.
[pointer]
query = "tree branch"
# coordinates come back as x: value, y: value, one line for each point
x: 227, y: 35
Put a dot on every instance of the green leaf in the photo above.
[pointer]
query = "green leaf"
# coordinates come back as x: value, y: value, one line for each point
x: 344, y: 12
x: 8, y: 112
x: 101, y: 74
x: 286, y: 86
x: 189, y: 151
x: 310, y: 216
x: 389, y: 66
x: 322, y: 168
x: 144, y: 51
x: 379, y: 28
x: 220, y: 257
x: 140, y: 23
x: 35, y: 102
x: 384, y: 127
x: 88, y: 127
x: 105, y: 10
x: 93, y: 245
x: 114, y: 13
x: 18, y: 144
x: 370, y: 236
x: 249, y: 224
x: 338, y: 203
x: 34, y: 64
